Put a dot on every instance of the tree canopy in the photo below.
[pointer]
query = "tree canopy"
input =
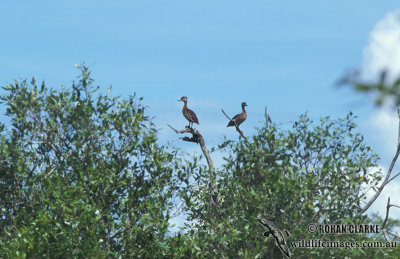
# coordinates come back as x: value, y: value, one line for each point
x: 82, y: 174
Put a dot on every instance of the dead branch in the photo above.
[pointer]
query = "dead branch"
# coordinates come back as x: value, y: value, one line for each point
x: 236, y: 126
x: 384, y: 230
x: 387, y: 178
x: 198, y: 138
x: 194, y: 137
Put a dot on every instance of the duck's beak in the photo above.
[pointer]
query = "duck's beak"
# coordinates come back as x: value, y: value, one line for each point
x: 179, y: 100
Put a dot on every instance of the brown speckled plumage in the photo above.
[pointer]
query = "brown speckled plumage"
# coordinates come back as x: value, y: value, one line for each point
x: 239, y: 118
x: 188, y: 113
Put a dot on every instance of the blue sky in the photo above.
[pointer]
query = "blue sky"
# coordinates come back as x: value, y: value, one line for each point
x: 284, y: 55
x: 202, y: 49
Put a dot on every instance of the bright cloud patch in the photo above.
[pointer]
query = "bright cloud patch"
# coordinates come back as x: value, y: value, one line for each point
x: 383, y: 124
x: 383, y: 53
x: 383, y: 50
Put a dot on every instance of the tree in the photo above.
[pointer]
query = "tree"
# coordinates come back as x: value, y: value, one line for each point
x: 294, y: 177
x: 385, y: 92
x: 82, y: 174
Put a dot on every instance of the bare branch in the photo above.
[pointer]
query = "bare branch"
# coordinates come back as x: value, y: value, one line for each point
x: 387, y: 178
x: 195, y: 137
x: 393, y: 177
x: 384, y: 230
x: 198, y: 138
x: 386, y: 237
x: 395, y: 235
x: 179, y: 131
x: 236, y: 126
x: 398, y: 135
x: 387, y: 213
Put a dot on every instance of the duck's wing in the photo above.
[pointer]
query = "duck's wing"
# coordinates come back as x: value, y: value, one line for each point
x: 232, y: 122
x: 192, y: 116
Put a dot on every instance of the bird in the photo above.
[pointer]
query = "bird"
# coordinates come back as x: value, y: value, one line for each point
x: 188, y: 113
x: 239, y: 118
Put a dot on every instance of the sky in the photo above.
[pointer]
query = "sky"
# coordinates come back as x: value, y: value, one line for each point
x: 285, y: 55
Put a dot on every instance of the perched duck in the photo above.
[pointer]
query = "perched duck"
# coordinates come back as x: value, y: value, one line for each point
x: 188, y: 113
x: 239, y: 118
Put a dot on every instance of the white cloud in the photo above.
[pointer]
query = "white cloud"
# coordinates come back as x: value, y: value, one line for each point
x: 383, y: 126
x: 383, y: 53
x: 383, y: 50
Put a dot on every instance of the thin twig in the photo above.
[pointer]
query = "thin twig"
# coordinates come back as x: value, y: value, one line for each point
x: 386, y: 218
x: 179, y: 131
x: 387, y: 213
x: 385, y: 236
x: 395, y: 235
x: 393, y: 177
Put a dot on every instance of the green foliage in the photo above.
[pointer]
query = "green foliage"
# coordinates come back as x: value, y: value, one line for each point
x: 381, y: 90
x: 307, y: 174
x: 81, y: 174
